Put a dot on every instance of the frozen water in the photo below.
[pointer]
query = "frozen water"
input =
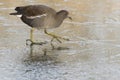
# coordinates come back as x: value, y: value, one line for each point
x: 91, y: 54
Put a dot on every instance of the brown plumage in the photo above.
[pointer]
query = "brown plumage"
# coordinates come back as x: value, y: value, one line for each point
x: 41, y: 16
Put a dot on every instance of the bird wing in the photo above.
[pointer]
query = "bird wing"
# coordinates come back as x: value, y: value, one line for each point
x: 34, y: 11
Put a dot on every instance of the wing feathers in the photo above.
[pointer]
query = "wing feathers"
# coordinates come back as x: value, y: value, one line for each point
x: 33, y: 11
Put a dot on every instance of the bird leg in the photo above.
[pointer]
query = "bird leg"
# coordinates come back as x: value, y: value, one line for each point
x: 31, y: 34
x: 31, y: 37
x: 55, y: 37
x: 31, y: 40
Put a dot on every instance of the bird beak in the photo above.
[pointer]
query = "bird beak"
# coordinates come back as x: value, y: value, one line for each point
x: 70, y: 18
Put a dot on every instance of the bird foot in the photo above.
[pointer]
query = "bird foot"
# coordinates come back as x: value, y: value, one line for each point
x: 58, y: 38
x: 31, y: 43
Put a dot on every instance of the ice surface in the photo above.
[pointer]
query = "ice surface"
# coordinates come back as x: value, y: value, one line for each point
x: 93, y: 52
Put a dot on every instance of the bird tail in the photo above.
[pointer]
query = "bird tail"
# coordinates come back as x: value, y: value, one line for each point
x: 18, y: 9
x: 15, y: 13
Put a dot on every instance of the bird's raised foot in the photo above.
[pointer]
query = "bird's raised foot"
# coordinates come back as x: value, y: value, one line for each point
x: 31, y: 43
x: 58, y: 38
x: 66, y: 39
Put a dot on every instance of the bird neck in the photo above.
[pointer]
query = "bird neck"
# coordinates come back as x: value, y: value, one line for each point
x: 59, y: 19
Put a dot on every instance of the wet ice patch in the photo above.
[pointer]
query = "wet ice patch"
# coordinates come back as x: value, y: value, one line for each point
x: 11, y: 30
x: 4, y: 51
x: 2, y: 18
x: 1, y: 3
x: 66, y: 0
x: 6, y: 8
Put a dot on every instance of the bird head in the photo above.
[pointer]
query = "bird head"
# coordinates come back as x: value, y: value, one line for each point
x: 64, y: 14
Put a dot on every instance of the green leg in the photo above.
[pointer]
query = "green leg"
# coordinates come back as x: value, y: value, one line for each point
x: 31, y: 34
x: 55, y: 37
x: 31, y: 42
x: 31, y: 37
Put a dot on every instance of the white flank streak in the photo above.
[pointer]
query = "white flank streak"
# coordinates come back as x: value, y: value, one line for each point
x: 38, y: 16
x: 19, y: 15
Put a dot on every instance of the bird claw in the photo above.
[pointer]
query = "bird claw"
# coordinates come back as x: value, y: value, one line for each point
x: 66, y: 39
x: 58, y: 39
